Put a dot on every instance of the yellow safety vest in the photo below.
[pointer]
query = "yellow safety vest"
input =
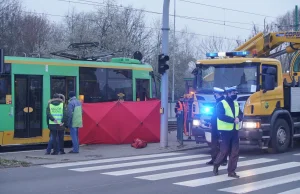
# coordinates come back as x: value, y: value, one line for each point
x: 57, y: 113
x: 224, y: 126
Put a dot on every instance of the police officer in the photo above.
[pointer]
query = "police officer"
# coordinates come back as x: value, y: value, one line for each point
x: 218, y: 94
x: 228, y: 117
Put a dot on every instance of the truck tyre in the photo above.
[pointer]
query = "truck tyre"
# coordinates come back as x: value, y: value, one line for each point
x: 280, y: 136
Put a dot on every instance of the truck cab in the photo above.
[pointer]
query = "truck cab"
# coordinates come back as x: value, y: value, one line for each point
x: 271, y: 113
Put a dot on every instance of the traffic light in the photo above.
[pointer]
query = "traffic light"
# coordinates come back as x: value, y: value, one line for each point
x: 162, y: 63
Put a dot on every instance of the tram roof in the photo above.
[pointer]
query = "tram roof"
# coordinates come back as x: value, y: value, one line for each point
x: 75, y: 63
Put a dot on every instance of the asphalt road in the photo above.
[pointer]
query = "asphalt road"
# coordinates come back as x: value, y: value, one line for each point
x: 169, y: 173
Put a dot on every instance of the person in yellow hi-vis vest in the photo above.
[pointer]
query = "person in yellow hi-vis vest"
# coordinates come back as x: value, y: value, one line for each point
x: 57, y: 119
x: 229, y: 115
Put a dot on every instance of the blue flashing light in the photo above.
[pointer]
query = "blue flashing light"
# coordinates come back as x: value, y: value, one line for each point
x: 241, y: 53
x: 206, y: 110
x: 228, y: 54
x: 212, y: 54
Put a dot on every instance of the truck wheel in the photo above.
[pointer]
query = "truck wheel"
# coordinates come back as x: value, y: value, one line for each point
x: 281, y: 136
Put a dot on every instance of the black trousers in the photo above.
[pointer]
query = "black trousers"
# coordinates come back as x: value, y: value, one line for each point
x: 229, y: 145
x: 215, y: 145
x: 60, y: 135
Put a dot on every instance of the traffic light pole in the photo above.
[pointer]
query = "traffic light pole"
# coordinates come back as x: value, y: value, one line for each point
x: 164, y: 78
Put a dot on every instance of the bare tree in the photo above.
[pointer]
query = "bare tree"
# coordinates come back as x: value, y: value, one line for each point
x: 34, y: 34
x: 215, y: 44
x: 10, y: 20
x: 116, y: 29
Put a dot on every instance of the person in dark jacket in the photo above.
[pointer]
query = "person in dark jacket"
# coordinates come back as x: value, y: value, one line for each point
x: 219, y: 96
x: 50, y: 143
x: 57, y: 118
x: 229, y: 115
x: 74, y: 120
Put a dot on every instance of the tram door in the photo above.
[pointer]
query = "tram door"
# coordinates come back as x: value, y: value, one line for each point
x: 28, y: 106
x: 63, y: 85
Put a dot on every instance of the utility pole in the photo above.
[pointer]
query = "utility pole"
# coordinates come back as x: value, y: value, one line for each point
x: 296, y: 18
x: 164, y: 77
x: 173, y: 78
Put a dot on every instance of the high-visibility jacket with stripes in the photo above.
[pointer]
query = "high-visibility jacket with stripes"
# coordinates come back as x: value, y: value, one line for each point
x: 57, y: 113
x: 224, y: 126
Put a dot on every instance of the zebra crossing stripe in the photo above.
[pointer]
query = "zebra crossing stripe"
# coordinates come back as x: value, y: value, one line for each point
x: 297, y: 154
x: 180, y: 173
x: 154, y: 168
x: 242, y: 174
x: 293, y: 191
x: 68, y: 164
x: 110, y: 166
x: 263, y: 184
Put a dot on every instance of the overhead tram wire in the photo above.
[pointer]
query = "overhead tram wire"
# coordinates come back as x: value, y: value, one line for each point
x: 229, y: 9
x: 191, y: 33
x: 205, y: 20
x: 153, y: 12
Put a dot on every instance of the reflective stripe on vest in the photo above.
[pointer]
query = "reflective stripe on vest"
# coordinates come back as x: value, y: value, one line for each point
x: 224, y: 126
x: 56, y: 112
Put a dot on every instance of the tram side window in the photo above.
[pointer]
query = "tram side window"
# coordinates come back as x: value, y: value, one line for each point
x: 5, y: 88
x: 92, y: 84
x: 104, y: 85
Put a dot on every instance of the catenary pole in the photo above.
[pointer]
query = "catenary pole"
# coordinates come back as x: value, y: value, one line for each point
x: 174, y: 45
x: 296, y: 18
x: 164, y: 78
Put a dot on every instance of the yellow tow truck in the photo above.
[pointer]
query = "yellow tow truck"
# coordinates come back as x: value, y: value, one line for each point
x: 261, y: 46
x: 271, y: 105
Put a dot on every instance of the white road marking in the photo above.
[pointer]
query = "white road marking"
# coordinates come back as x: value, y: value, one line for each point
x: 121, y: 165
x: 68, y: 164
x: 242, y: 174
x: 155, y: 168
x: 180, y: 173
x: 263, y: 184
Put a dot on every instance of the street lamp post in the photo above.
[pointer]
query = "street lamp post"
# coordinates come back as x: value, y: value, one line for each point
x: 164, y: 78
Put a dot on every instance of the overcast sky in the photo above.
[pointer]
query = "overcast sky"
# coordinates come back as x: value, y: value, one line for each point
x: 266, y: 8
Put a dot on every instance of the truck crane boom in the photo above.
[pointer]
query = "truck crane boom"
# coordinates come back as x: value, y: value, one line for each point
x: 265, y: 44
x: 261, y: 46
